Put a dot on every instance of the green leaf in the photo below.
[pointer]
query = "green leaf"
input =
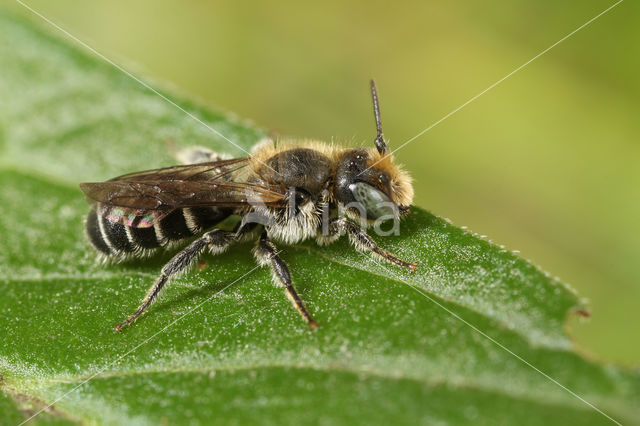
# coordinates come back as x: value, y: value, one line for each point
x: 475, y: 336
x: 9, y: 410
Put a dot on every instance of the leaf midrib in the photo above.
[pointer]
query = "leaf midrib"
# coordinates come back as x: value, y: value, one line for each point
x: 40, y: 387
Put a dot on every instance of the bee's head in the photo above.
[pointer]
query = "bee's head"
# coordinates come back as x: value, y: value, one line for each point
x: 369, y: 183
x: 367, y: 180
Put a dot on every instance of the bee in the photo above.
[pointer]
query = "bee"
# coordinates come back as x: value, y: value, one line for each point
x: 286, y: 192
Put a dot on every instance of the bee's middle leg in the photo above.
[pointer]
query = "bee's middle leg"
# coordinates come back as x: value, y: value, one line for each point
x: 267, y: 254
x: 217, y: 241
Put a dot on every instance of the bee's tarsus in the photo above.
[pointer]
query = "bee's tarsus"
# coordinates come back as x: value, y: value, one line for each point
x: 266, y: 253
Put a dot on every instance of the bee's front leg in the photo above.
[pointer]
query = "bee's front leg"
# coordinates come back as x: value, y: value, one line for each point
x: 267, y: 254
x: 363, y: 242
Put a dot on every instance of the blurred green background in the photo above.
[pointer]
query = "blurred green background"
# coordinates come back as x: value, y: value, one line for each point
x: 546, y: 162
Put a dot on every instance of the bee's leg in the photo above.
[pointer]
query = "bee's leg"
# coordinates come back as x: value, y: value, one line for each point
x: 267, y: 254
x: 197, y: 154
x: 217, y: 240
x: 363, y: 242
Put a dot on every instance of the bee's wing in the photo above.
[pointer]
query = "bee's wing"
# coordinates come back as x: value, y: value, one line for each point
x: 213, y: 170
x: 141, y: 199
x: 175, y: 194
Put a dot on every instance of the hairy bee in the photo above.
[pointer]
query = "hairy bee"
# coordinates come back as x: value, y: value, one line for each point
x: 289, y: 192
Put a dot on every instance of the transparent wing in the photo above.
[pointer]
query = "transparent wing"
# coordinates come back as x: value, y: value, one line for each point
x: 214, y: 170
x: 142, y: 198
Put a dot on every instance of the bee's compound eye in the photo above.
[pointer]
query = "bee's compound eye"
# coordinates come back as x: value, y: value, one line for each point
x: 376, y: 203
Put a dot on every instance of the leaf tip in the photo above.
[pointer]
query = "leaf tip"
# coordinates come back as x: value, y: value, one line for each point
x: 582, y: 312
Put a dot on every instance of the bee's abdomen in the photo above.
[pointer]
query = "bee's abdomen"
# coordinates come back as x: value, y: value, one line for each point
x: 113, y: 239
x: 95, y: 233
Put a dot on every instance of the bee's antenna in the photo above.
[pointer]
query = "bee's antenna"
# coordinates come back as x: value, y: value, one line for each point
x: 380, y: 143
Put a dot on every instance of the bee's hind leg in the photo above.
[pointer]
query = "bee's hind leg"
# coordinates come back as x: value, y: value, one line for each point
x: 197, y: 154
x: 363, y: 242
x: 217, y: 241
x: 267, y: 254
